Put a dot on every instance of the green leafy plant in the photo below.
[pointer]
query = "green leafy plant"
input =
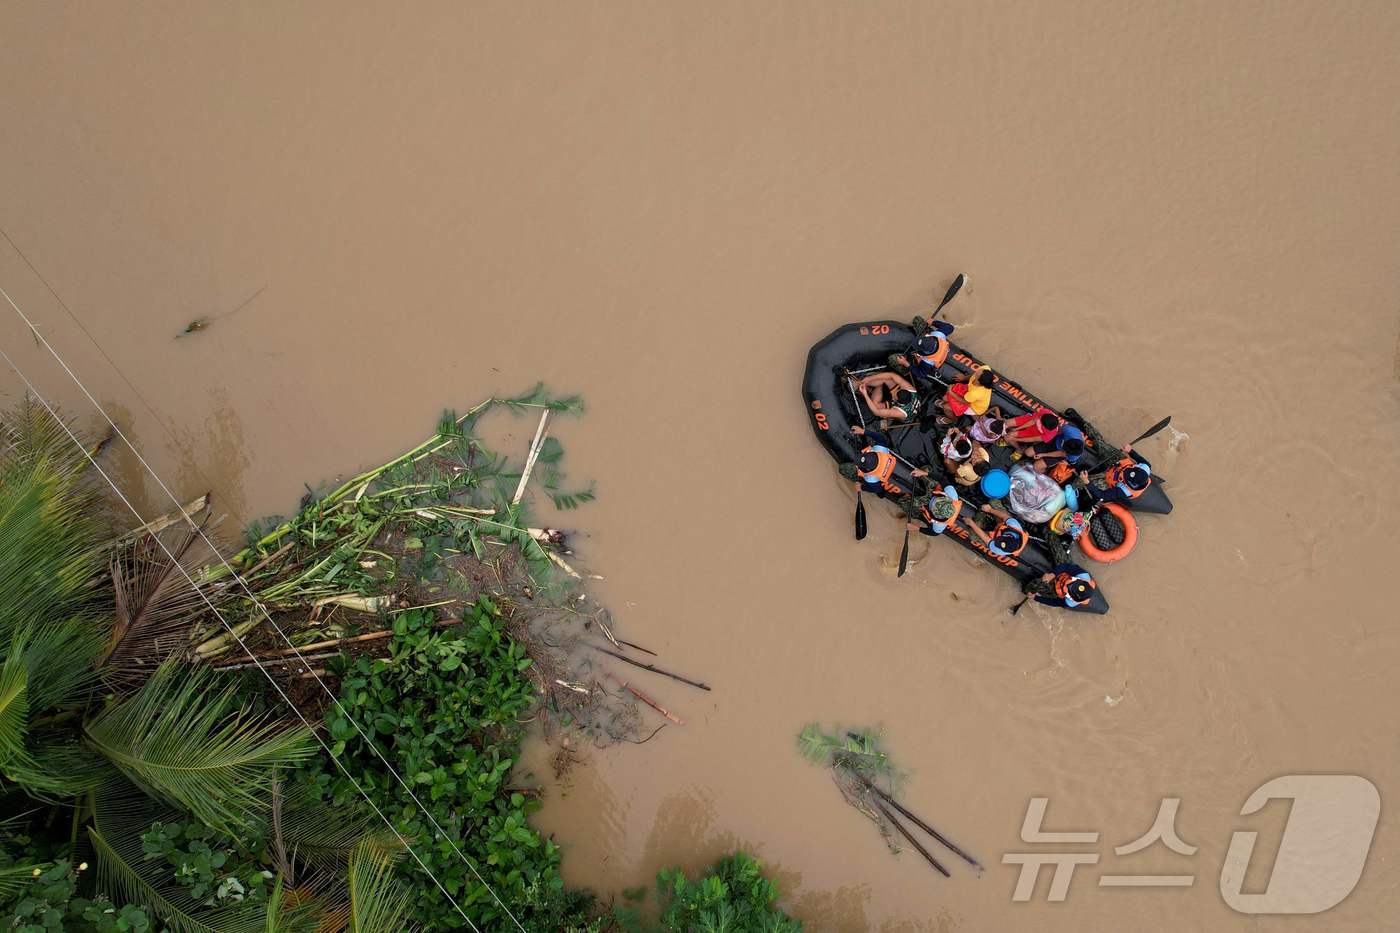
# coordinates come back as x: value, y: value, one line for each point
x: 49, y: 902
x: 212, y: 872
x: 733, y: 896
x: 445, y: 710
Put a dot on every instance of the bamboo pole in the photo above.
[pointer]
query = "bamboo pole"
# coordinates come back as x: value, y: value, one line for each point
x: 530, y: 458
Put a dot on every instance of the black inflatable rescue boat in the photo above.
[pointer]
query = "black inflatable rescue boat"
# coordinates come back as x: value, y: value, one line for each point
x: 833, y: 407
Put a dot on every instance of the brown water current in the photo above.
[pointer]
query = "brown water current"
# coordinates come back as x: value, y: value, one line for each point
x: 1188, y: 209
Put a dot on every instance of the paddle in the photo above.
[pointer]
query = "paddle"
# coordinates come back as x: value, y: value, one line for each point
x: 953, y: 289
x: 1017, y: 608
x: 860, y: 505
x: 1141, y: 437
x: 904, y: 554
x: 1152, y: 430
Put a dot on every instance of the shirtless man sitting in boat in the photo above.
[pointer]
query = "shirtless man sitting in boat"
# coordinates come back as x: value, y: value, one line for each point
x: 889, y: 395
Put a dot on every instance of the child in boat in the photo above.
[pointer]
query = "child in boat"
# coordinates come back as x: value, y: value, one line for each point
x: 970, y: 396
x: 965, y: 459
x: 1007, y: 539
x: 990, y: 428
x: 1066, y: 448
x: 1039, y: 427
x: 889, y: 396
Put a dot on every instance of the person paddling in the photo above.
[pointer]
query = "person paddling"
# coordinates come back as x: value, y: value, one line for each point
x: 875, y: 463
x: 938, y: 511
x: 1067, y: 585
x: 928, y: 353
x: 1122, y: 481
x: 1007, y: 539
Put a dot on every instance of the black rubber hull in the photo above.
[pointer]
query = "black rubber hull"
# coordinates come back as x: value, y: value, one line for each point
x: 833, y: 408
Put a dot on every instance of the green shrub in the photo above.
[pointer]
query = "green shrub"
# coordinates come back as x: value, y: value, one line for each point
x: 211, y: 872
x: 445, y: 711
x: 732, y: 897
x: 48, y: 903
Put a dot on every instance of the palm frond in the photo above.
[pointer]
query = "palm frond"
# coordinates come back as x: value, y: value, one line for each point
x: 186, y: 738
x: 14, y: 706
x: 539, y: 397
x: 155, y: 601
x: 49, y: 557
x: 120, y: 815
x: 325, y: 834
x: 29, y: 435
x: 55, y: 771
x: 290, y: 910
x: 379, y: 903
x: 813, y: 743
x: 14, y: 878
x: 59, y: 656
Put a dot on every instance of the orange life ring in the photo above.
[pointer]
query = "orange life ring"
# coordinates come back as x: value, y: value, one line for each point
x: 1124, y: 548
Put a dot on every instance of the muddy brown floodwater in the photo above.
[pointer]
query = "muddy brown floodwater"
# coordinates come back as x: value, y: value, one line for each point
x: 1188, y: 209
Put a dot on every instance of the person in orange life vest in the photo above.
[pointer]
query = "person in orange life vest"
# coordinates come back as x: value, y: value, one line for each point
x: 889, y: 395
x: 971, y: 395
x: 1123, y: 481
x: 1007, y: 539
x: 875, y: 463
x: 1068, y: 585
x: 1038, y: 427
x: 938, y: 511
x: 928, y: 353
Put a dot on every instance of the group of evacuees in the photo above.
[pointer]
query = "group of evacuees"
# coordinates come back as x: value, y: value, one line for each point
x: 964, y: 414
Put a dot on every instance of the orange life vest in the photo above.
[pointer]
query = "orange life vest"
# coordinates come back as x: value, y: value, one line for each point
x: 1020, y: 532
x: 1113, y: 476
x: 1063, y: 580
x: 884, y: 465
x: 938, y: 356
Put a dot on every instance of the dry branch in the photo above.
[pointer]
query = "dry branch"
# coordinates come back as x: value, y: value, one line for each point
x: 650, y: 667
x: 650, y: 702
x: 908, y: 837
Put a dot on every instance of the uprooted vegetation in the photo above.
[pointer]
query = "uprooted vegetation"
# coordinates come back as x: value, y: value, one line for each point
x: 866, y: 778
x: 414, y: 619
